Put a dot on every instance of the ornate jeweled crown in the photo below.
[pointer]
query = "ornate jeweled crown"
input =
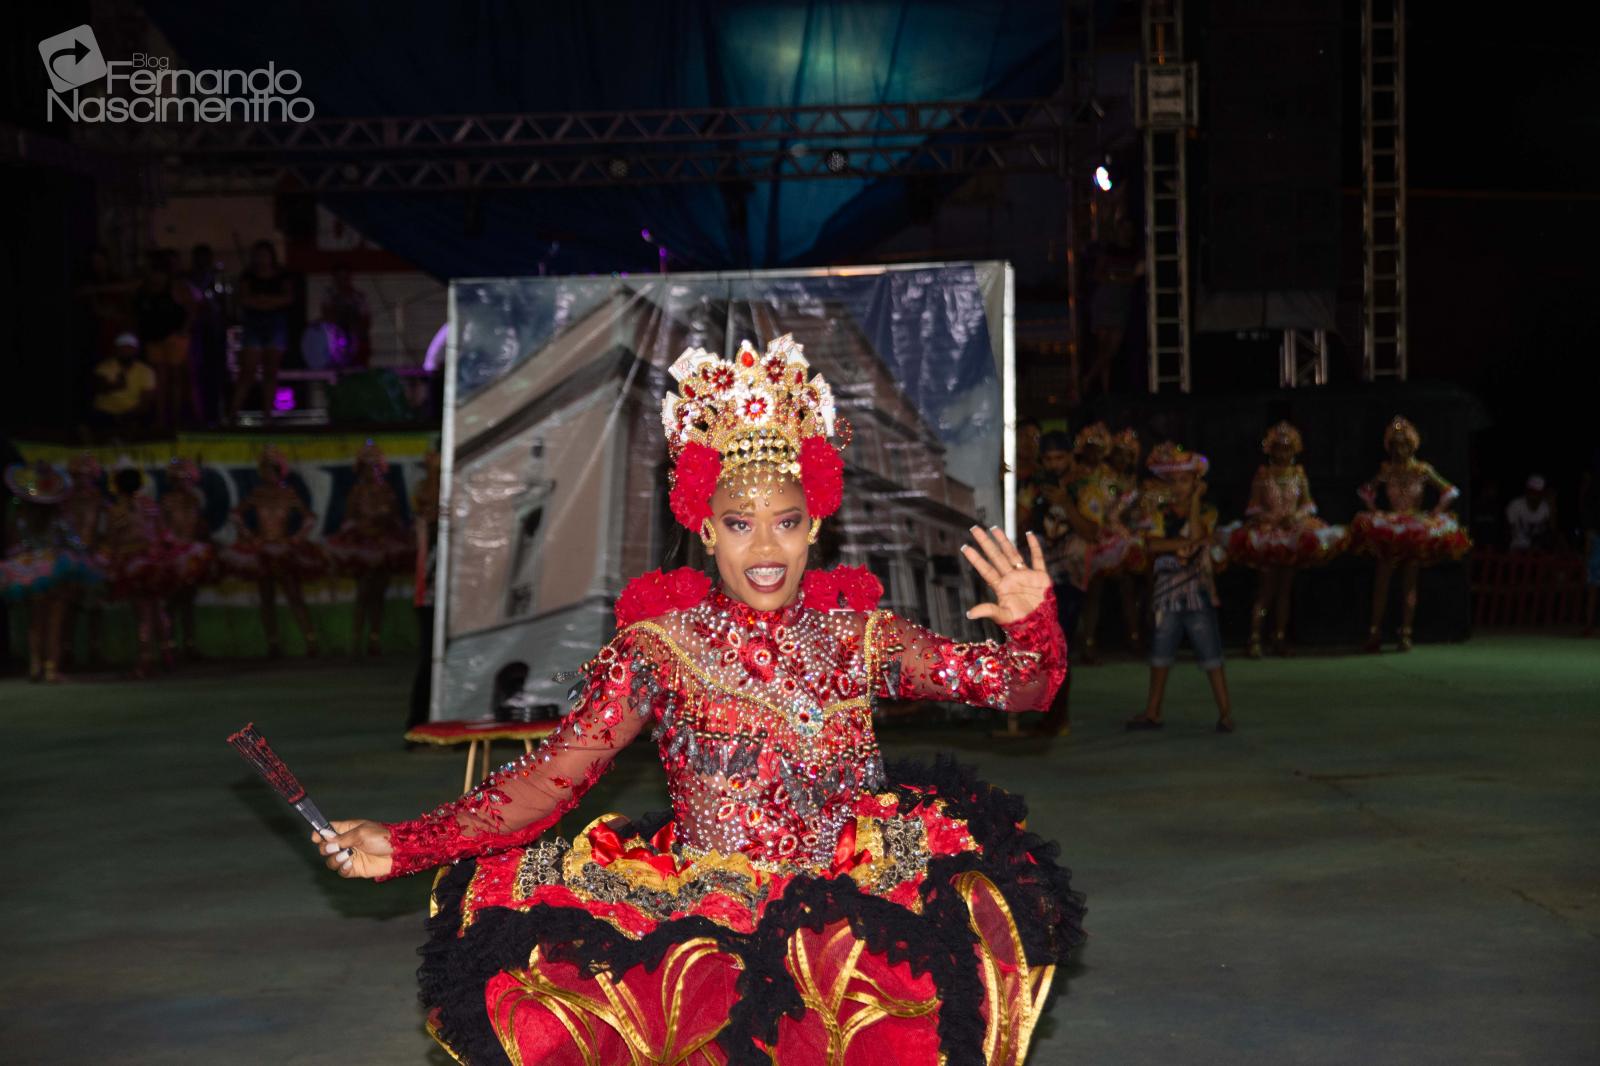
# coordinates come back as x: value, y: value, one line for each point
x: 1282, y: 433
x: 1095, y: 433
x: 1401, y: 427
x: 1169, y: 457
x: 750, y: 423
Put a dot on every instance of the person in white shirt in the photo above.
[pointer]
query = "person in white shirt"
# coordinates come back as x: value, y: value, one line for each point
x: 1531, y: 518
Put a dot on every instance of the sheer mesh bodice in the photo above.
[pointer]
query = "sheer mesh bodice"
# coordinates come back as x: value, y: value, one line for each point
x: 1405, y: 485
x: 763, y: 721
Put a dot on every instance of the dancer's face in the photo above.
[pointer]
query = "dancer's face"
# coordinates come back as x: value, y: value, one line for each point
x: 1093, y: 454
x: 1402, y: 448
x: 761, y: 544
x: 1281, y: 454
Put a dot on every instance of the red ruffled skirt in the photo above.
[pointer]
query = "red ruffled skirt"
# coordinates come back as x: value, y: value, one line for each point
x: 143, y: 573
x: 1117, y: 553
x: 1311, y: 543
x: 193, y: 563
x: 251, y: 559
x: 365, y: 553
x: 1409, y: 538
x: 932, y: 938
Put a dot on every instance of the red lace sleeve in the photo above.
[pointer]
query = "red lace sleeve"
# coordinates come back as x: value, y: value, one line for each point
x: 1022, y: 674
x: 522, y: 799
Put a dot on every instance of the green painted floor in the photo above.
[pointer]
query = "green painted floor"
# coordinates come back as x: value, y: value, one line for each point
x: 1394, y: 861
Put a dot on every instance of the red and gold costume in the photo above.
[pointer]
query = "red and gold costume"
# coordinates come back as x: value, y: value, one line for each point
x: 372, y: 538
x: 801, y: 902
x: 269, y: 549
x: 193, y: 557
x: 1405, y: 532
x: 1281, y: 527
x: 140, y: 551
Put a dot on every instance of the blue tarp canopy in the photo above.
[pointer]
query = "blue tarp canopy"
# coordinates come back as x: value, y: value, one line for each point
x: 410, y: 58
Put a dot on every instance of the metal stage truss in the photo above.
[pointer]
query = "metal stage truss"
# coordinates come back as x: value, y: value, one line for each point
x: 1166, y: 107
x: 1383, y: 203
x: 647, y: 147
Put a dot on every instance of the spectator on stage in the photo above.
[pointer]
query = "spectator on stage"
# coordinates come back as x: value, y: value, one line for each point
x: 208, y: 335
x: 1531, y: 519
x: 266, y: 293
x: 124, y: 390
x: 345, y: 307
x: 162, y: 306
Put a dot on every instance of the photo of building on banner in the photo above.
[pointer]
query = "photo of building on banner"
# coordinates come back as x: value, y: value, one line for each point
x: 558, y: 472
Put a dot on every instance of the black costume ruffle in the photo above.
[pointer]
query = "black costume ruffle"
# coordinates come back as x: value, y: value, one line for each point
x: 1047, y: 911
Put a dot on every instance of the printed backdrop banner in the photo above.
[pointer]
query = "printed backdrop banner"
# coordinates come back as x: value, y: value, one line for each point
x: 556, y: 472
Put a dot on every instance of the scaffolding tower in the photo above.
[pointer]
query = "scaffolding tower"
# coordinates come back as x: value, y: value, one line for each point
x: 1383, y: 204
x: 1165, y: 106
x: 1303, y: 358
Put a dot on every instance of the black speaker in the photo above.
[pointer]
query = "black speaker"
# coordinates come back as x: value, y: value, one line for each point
x: 1271, y: 83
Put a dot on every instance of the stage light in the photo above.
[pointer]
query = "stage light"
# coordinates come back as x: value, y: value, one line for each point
x: 1102, y: 179
x: 617, y: 167
x: 644, y: 235
x: 430, y: 362
x: 836, y: 160
x: 283, y: 400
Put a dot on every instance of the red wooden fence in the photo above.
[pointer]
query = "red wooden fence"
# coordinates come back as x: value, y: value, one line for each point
x: 1526, y: 588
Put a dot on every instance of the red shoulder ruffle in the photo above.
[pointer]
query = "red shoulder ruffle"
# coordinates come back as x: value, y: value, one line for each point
x: 654, y: 594
x: 851, y: 587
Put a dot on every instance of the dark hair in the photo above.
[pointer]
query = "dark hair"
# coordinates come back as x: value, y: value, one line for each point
x: 127, y: 481
x: 1054, y: 441
x: 271, y: 248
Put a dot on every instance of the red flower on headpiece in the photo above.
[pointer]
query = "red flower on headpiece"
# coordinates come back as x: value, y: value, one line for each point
x: 853, y: 587
x: 821, y: 476
x: 654, y: 594
x: 694, y: 480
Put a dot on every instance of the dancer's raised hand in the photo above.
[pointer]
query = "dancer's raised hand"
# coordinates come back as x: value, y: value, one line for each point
x: 1019, y: 587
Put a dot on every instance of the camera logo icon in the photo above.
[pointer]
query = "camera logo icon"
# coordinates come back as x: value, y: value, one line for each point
x: 72, y: 58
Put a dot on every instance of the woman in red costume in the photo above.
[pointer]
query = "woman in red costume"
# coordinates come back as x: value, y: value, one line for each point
x: 371, y: 545
x: 273, y: 545
x: 1280, y: 534
x: 1405, y: 537
x: 85, y: 510
x: 141, y: 556
x: 194, y: 557
x: 802, y: 903
x: 43, y: 560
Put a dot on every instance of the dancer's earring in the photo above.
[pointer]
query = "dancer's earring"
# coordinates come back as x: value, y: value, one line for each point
x: 816, y: 531
x: 708, y: 536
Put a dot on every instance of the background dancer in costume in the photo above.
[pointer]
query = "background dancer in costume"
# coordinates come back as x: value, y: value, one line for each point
x: 1095, y: 499
x: 140, y: 565
x: 273, y: 548
x: 84, y: 511
x: 1183, y: 593
x: 1131, y: 560
x: 371, y: 545
x: 792, y: 857
x: 193, y: 559
x: 1280, y: 534
x: 1405, y: 536
x: 43, y: 560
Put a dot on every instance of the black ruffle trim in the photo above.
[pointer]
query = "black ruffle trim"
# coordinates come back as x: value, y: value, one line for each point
x: 936, y: 942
